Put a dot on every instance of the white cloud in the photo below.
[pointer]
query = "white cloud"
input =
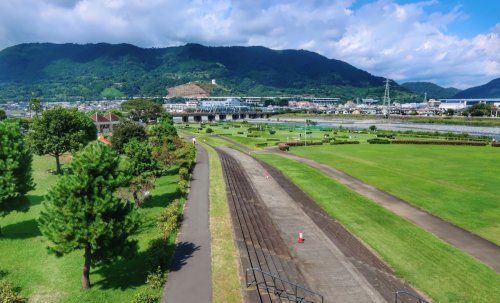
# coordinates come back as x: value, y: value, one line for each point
x: 383, y: 37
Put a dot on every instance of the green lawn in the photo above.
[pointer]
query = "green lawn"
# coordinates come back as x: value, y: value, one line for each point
x: 441, y: 271
x: 457, y: 183
x: 46, y: 278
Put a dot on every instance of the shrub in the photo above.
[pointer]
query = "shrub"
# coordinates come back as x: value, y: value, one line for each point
x: 157, y: 254
x: 183, y: 173
x: 253, y: 136
x: 441, y: 142
x: 146, y: 296
x: 9, y: 294
x: 209, y: 130
x: 495, y: 144
x: 272, y: 132
x: 225, y: 127
x: 283, y: 146
x: 301, y: 143
x: 378, y: 141
x: 156, y: 279
x: 236, y: 126
x: 388, y: 136
x: 309, y: 132
x: 272, y: 139
x: 183, y: 186
x: 240, y: 133
x: 261, y: 144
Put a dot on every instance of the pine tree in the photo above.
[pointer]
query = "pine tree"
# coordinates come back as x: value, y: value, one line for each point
x: 82, y: 210
x: 15, y: 167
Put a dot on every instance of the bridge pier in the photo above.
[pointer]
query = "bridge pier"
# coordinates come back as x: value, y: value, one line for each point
x: 185, y: 119
x: 211, y: 118
x: 197, y: 118
x: 243, y: 116
x: 222, y: 117
x: 235, y: 116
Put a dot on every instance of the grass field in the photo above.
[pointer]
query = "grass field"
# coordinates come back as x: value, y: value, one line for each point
x: 225, y: 278
x: 441, y: 271
x: 457, y: 183
x: 45, y: 278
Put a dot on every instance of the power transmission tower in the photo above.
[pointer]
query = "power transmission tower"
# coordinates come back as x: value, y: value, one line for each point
x: 387, y: 98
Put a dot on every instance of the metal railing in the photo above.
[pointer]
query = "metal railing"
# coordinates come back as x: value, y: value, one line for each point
x: 296, y: 293
x: 402, y: 293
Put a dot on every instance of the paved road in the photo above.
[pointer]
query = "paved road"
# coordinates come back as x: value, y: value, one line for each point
x: 190, y: 277
x: 482, y: 249
x: 323, y: 265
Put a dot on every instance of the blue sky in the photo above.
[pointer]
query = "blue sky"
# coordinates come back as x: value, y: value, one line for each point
x: 451, y: 43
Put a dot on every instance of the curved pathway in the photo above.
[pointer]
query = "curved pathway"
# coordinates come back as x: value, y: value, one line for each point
x: 482, y: 249
x: 190, y: 277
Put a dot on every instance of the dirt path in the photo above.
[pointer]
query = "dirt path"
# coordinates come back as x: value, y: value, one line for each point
x: 482, y: 249
x: 323, y: 264
x: 190, y: 277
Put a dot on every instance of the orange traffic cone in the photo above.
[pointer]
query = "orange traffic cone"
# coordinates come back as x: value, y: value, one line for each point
x: 301, y: 237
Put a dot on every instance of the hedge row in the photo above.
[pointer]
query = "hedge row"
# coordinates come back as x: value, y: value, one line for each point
x: 263, y: 144
x: 495, y: 144
x: 253, y: 135
x: 378, y: 141
x: 441, y: 142
x: 301, y: 143
x: 344, y: 142
x: 272, y: 139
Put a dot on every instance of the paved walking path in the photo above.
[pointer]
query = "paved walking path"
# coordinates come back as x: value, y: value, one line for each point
x: 480, y: 248
x: 323, y: 265
x: 190, y: 277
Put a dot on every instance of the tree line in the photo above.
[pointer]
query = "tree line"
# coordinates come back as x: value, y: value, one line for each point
x: 92, y: 206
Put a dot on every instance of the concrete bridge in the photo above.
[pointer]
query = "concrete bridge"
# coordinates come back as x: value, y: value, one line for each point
x: 215, y: 116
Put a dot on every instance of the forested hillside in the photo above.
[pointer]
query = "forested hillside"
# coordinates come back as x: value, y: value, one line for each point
x: 488, y: 90
x: 433, y: 90
x: 75, y: 72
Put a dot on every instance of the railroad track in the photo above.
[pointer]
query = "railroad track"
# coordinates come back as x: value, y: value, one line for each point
x: 258, y: 240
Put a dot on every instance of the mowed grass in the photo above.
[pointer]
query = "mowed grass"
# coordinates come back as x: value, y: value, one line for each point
x: 460, y: 184
x: 45, y: 278
x: 225, y: 278
x: 436, y: 268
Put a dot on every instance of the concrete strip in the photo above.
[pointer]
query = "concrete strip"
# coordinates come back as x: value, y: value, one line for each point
x: 482, y: 249
x: 190, y: 277
x: 324, y: 267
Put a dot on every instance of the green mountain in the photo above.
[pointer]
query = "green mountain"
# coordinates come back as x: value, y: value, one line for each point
x: 433, y: 90
x: 78, y: 72
x: 488, y: 90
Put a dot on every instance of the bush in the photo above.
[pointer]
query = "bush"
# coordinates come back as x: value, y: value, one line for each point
x: 378, y: 141
x: 441, y: 142
x: 236, y: 126
x: 283, y: 146
x: 146, y: 296
x: 301, y: 143
x: 240, y: 133
x: 272, y: 139
x: 272, y: 132
x: 225, y: 127
x: 183, y: 186
x: 183, y: 173
x: 9, y: 294
x: 209, y: 130
x: 253, y: 136
x: 495, y: 144
x: 263, y: 144
x: 156, y: 279
x: 388, y: 136
x: 309, y: 132
x: 157, y: 254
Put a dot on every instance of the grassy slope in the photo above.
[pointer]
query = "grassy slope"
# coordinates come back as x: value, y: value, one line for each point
x: 45, y: 278
x: 436, y: 268
x: 457, y: 183
x: 225, y: 280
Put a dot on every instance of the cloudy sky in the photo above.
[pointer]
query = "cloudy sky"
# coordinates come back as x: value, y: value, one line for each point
x: 452, y: 43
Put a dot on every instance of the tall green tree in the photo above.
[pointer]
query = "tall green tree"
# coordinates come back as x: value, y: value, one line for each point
x: 35, y: 105
x: 60, y: 130
x: 125, y: 132
x: 82, y: 211
x: 3, y: 115
x: 142, y: 167
x: 164, y: 140
x: 15, y: 167
x: 142, y: 110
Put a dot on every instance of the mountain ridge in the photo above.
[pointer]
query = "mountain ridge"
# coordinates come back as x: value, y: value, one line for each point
x: 433, y: 90
x: 86, y: 71
x: 488, y: 90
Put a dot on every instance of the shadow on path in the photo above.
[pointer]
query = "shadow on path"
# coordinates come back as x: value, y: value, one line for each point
x: 183, y: 251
